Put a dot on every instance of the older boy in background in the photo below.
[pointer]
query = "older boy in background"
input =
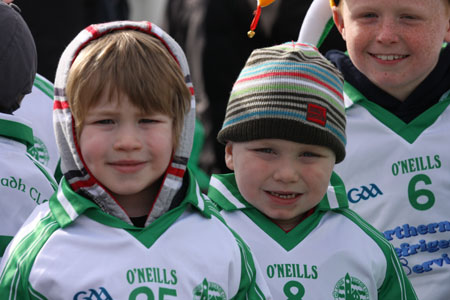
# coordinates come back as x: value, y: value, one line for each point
x: 397, y: 89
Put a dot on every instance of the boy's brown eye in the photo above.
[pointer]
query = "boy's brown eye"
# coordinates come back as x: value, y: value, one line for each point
x: 104, y: 122
x: 147, y: 121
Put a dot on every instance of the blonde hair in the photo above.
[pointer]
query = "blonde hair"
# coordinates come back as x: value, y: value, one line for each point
x: 130, y: 62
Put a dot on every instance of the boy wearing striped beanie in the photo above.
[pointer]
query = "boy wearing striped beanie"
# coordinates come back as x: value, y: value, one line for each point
x: 284, y: 130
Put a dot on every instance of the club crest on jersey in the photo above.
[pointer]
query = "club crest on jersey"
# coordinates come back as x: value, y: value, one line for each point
x: 350, y: 288
x: 209, y: 291
x: 39, y: 151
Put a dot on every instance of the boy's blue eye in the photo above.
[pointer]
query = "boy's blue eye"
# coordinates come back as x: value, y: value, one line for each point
x: 309, y: 154
x: 408, y: 17
x: 264, y: 150
x: 370, y: 15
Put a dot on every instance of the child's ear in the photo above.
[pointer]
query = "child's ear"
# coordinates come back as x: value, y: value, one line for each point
x: 229, y: 156
x: 447, y: 35
x: 338, y: 20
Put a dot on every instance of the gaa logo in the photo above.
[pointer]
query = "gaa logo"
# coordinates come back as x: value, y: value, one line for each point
x: 209, y: 291
x: 355, y: 195
x: 350, y: 288
x: 92, y: 294
x: 39, y: 151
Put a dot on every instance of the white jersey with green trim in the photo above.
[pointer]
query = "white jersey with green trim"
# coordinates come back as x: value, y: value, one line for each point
x: 398, y: 178
x: 70, y: 249
x: 24, y: 182
x: 37, y: 107
x: 332, y: 254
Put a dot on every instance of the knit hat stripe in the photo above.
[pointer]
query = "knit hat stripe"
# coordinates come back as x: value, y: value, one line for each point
x: 253, y: 113
x: 277, y: 56
x: 288, y: 92
x: 250, y: 112
x: 287, y: 99
x: 292, y: 74
x: 294, y: 67
x: 275, y: 114
x: 248, y: 89
x: 283, y: 103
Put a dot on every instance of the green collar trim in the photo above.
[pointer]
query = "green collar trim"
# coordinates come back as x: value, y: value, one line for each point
x: 229, y: 199
x: 66, y: 206
x: 408, y: 131
x: 195, y: 197
x: 17, y: 131
x: 287, y: 240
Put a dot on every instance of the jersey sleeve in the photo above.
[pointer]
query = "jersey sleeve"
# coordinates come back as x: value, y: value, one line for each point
x: 252, y: 284
x: 396, y: 284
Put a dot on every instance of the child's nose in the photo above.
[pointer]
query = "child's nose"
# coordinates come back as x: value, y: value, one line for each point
x: 387, y: 32
x: 287, y: 172
x: 127, y: 140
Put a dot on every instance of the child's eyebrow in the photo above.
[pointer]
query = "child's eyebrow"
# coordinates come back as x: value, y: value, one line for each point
x: 103, y: 111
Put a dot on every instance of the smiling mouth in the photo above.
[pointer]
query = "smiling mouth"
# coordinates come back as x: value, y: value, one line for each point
x: 284, y: 195
x: 389, y: 57
x: 128, y: 166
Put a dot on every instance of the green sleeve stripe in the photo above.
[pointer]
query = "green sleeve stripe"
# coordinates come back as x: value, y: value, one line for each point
x: 395, y: 282
x: 44, y: 85
x: 248, y: 288
x: 14, y: 278
x: 49, y: 177
x: 36, y: 295
x: 17, y: 131
x: 4, y: 242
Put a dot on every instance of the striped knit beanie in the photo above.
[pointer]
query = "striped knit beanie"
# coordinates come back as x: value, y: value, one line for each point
x: 288, y: 92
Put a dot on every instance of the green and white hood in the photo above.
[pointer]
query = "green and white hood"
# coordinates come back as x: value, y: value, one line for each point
x: 72, y: 165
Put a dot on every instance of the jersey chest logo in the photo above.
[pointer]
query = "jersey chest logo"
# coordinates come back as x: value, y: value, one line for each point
x: 92, y: 294
x: 209, y: 291
x: 355, y: 195
x: 350, y: 288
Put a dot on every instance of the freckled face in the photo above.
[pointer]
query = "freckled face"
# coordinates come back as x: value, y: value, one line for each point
x: 281, y: 178
x: 395, y: 43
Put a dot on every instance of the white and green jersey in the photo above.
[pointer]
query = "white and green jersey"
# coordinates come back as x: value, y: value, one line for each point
x: 24, y: 182
x: 70, y: 249
x: 398, y: 178
x: 332, y: 254
x: 37, y: 108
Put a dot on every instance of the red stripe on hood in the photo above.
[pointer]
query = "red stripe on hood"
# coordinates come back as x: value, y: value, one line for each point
x: 60, y: 104
x: 176, y: 172
x: 82, y: 184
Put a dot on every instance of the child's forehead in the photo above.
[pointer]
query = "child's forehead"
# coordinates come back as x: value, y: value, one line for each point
x: 419, y: 4
x: 281, y: 143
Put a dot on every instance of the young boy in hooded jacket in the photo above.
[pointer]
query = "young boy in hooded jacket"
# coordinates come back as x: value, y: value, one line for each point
x: 128, y: 220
